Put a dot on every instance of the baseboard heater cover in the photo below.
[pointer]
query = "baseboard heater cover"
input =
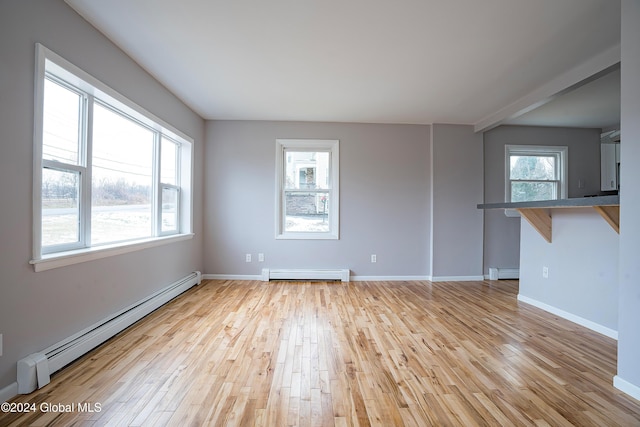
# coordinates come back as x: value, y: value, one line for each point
x: 504, y: 273
x: 35, y: 369
x: 305, y: 274
x: 33, y: 373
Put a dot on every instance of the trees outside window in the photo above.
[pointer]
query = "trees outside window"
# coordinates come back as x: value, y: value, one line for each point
x: 535, y: 173
x: 106, y: 171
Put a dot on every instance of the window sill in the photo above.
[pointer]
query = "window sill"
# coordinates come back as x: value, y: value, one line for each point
x: 62, y: 259
x: 307, y: 236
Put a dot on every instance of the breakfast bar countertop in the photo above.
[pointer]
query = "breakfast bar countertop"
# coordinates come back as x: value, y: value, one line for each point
x: 560, y: 203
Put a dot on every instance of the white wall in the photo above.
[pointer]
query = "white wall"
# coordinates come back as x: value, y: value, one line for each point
x: 582, y: 262
x: 40, y: 309
x: 629, y: 315
x: 384, y: 199
x: 501, y: 233
x: 457, y: 189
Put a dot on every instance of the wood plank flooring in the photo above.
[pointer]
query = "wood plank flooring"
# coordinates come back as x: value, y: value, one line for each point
x: 248, y: 353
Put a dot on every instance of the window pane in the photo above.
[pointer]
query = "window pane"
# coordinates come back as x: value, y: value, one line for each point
x: 61, y: 123
x: 306, y: 212
x: 122, y: 178
x: 169, y: 157
x: 533, y: 167
x: 60, y: 207
x: 169, y: 209
x: 532, y: 191
x: 307, y: 170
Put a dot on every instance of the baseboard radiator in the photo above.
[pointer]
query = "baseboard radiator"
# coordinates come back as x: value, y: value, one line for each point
x: 305, y: 274
x: 35, y: 369
x: 504, y: 273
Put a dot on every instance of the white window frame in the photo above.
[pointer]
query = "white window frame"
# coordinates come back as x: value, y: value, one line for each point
x: 167, y: 186
x: 561, y: 153
x: 333, y: 148
x: 49, y: 64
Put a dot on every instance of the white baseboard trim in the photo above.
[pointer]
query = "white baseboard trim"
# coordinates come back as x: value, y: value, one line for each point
x: 456, y: 278
x: 357, y: 278
x: 626, y: 387
x: 8, y: 392
x: 570, y: 316
x: 232, y: 276
x: 352, y: 278
x: 389, y: 278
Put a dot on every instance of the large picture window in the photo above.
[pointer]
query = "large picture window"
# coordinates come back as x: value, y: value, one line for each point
x: 307, y: 182
x: 535, y: 173
x: 107, y: 173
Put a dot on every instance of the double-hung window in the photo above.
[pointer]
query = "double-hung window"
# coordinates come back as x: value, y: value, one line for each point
x: 535, y: 173
x: 107, y: 173
x: 307, y: 181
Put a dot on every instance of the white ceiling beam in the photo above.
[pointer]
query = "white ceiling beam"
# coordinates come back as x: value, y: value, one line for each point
x: 580, y: 75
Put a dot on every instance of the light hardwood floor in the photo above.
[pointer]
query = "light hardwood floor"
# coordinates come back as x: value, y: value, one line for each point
x: 363, y: 353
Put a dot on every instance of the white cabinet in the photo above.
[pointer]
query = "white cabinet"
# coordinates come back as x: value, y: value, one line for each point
x: 609, y: 166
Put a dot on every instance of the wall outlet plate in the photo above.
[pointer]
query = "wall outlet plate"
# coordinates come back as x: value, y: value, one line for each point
x: 247, y: 257
x: 545, y: 272
x: 374, y: 258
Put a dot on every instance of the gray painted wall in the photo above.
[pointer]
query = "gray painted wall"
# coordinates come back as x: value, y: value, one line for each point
x: 385, y: 171
x: 457, y: 172
x: 40, y: 309
x: 629, y: 314
x: 384, y: 199
x: 502, y: 233
x: 583, y: 266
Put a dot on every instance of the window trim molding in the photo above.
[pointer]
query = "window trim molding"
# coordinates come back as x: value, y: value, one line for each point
x: 48, y: 61
x: 63, y: 259
x: 333, y: 147
x: 562, y: 151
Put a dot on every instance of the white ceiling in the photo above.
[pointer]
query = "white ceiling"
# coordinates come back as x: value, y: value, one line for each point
x: 373, y: 61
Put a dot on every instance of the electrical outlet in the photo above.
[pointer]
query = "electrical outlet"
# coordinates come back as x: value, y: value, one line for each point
x: 247, y: 258
x: 374, y: 258
x: 545, y: 272
x: 260, y: 257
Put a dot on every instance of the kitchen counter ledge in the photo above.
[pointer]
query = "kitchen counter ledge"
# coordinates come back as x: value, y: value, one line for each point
x: 538, y: 214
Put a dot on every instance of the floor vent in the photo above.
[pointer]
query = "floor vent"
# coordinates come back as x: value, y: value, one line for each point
x: 305, y: 274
